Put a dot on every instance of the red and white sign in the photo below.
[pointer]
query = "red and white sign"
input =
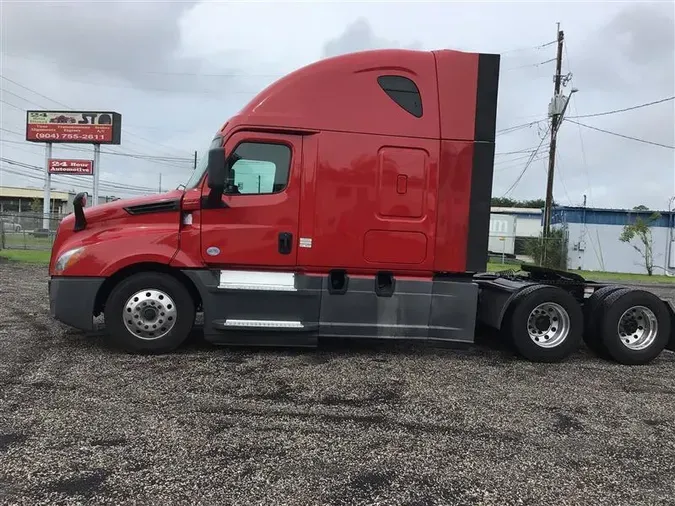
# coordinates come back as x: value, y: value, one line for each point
x: 88, y: 127
x: 76, y: 167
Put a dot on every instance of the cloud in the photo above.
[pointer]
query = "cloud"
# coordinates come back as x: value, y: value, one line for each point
x: 177, y: 71
x: 124, y: 39
x: 359, y: 36
x: 635, y: 48
x: 103, y: 43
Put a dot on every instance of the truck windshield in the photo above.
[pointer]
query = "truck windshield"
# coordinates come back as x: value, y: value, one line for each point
x: 202, y: 164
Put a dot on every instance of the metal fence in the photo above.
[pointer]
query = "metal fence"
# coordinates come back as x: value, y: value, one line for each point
x: 28, y: 230
x: 551, y: 251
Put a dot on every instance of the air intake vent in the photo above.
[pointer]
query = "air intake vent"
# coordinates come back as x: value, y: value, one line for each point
x: 154, y: 207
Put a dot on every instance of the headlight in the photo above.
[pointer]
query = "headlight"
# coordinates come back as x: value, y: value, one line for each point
x: 67, y: 258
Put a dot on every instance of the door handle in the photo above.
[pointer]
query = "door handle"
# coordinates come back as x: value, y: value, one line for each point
x: 285, y: 242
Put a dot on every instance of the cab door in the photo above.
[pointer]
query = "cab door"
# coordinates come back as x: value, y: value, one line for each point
x: 258, y: 224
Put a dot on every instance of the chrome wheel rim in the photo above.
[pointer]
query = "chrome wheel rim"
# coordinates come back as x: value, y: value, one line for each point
x: 548, y: 325
x: 149, y: 314
x: 638, y: 328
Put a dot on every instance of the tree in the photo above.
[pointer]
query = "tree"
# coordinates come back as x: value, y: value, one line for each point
x: 549, y: 252
x: 527, y: 204
x: 640, y: 232
x: 36, y: 205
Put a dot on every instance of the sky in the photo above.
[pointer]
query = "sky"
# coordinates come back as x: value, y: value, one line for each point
x: 176, y: 71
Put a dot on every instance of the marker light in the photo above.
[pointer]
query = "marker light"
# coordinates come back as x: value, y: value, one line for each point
x: 67, y: 258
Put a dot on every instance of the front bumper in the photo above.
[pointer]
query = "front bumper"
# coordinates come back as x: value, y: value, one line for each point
x: 71, y: 300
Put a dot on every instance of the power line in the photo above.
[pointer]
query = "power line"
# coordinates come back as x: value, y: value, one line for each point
x: 525, y: 150
x: 12, y: 105
x: 213, y: 93
x: 530, y: 65
x: 541, y: 46
x: 527, y: 165
x: 621, y: 135
x: 120, y: 186
x: 514, y: 164
x: 153, y: 143
x: 581, y: 136
x: 615, y: 111
x: 247, y: 74
x: 513, y: 128
x: 156, y: 72
x: 560, y: 177
x: 73, y: 184
x: 152, y: 158
x: 74, y: 179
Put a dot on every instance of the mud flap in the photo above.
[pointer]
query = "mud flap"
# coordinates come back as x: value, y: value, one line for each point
x: 671, y: 309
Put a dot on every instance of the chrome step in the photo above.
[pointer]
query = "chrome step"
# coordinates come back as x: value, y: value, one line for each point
x: 242, y: 324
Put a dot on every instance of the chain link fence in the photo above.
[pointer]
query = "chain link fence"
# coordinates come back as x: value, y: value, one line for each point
x: 551, y: 251
x: 28, y: 230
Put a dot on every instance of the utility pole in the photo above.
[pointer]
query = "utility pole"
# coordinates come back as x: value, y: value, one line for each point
x: 195, y: 165
x: 556, y: 117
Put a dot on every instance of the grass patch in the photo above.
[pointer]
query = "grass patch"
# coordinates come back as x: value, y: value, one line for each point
x: 27, y: 256
x: 598, y: 275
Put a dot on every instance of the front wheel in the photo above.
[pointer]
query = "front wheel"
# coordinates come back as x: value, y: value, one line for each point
x: 149, y: 312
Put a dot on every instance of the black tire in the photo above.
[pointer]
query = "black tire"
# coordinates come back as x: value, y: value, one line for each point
x: 592, y: 319
x: 614, y: 306
x: 181, y: 303
x: 518, y: 324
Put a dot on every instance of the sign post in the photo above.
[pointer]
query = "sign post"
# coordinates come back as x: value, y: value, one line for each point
x: 72, y: 127
x: 97, y: 164
x: 47, y: 196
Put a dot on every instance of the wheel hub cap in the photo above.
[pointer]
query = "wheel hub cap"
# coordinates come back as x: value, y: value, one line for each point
x: 149, y: 314
x: 638, y: 328
x: 548, y: 325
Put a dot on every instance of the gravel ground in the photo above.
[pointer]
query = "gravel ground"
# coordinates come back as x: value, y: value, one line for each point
x: 398, y: 425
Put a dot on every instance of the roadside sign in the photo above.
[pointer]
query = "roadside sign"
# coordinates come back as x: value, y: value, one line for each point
x: 74, y: 167
x: 74, y: 127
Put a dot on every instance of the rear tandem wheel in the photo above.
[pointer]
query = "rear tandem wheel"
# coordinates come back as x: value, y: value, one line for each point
x: 634, y: 326
x: 592, y: 319
x: 546, y: 324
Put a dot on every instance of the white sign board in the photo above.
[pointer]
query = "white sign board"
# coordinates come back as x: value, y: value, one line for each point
x: 502, y: 238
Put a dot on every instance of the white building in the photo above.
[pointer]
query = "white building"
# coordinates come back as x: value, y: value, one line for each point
x: 528, y: 221
x: 594, y: 245
x: 510, y: 228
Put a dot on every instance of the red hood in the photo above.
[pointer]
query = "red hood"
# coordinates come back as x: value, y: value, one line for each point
x: 111, y: 210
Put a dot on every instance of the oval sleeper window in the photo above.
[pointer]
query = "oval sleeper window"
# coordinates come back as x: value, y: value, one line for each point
x: 404, y: 92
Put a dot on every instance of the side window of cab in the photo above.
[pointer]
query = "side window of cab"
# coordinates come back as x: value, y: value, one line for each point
x: 258, y: 168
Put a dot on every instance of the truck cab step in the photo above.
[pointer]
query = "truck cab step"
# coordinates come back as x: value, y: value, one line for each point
x: 277, y: 325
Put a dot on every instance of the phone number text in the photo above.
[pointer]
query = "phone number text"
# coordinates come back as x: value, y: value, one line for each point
x: 71, y: 137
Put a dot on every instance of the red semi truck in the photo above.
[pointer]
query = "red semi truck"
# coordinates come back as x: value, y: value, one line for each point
x: 350, y: 198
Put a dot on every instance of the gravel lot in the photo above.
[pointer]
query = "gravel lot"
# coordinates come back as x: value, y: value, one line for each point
x: 395, y: 425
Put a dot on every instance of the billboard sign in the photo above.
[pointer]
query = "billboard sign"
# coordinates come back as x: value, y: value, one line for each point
x: 75, y: 167
x: 76, y: 127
